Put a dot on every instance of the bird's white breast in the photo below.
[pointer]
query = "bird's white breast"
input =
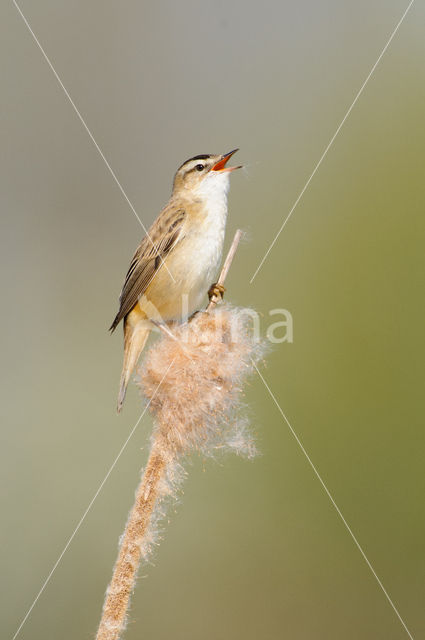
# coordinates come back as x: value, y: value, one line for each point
x: 203, y: 243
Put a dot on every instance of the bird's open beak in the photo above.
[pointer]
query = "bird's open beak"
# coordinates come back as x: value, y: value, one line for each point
x: 221, y: 164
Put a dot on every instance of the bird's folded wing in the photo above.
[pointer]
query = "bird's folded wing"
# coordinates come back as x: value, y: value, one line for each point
x: 161, y: 239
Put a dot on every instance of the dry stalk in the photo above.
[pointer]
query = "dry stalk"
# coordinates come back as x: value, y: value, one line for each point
x: 194, y: 401
x: 226, y: 267
x: 123, y: 579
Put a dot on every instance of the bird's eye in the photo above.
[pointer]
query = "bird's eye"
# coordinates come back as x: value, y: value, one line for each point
x: 200, y: 167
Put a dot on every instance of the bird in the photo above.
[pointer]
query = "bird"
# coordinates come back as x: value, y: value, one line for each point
x: 178, y: 258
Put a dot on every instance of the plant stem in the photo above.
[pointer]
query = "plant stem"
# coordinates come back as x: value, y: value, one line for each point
x: 226, y: 267
x: 124, y: 576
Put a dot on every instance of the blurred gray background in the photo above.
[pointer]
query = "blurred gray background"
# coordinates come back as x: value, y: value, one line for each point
x: 254, y: 550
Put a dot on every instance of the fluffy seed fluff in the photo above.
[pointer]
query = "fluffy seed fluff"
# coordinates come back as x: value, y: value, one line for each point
x: 194, y: 383
x: 192, y: 379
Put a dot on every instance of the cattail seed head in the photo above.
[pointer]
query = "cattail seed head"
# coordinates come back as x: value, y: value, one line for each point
x: 192, y: 378
x: 202, y: 369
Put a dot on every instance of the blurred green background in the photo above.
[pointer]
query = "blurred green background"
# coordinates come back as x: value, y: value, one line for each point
x: 254, y: 550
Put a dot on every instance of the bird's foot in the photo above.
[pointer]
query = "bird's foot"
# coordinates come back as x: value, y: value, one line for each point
x: 216, y: 290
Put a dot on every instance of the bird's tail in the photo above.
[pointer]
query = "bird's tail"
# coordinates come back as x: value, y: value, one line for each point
x: 134, y: 340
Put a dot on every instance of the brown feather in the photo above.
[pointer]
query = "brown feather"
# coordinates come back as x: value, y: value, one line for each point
x: 149, y: 257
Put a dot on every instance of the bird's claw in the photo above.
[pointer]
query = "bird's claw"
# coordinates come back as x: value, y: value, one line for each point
x: 216, y: 290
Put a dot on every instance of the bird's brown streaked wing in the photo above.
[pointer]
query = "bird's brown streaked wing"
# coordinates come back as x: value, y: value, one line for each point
x: 163, y: 236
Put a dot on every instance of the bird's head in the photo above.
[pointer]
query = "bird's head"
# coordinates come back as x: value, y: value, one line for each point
x: 204, y: 173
